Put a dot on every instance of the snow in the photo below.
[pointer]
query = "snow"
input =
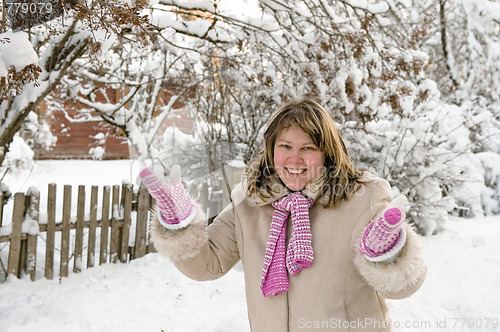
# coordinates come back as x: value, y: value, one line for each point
x: 147, y: 294
x: 20, y: 154
x: 97, y: 152
x: 461, y: 291
x: 15, y: 50
x: 373, y: 8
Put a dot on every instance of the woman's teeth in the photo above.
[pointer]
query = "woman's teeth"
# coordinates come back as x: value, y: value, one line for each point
x: 295, y: 171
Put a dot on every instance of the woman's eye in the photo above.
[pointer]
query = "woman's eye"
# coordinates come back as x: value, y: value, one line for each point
x: 305, y: 148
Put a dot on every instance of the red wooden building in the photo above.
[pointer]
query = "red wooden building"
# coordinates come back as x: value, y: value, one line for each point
x: 75, y: 139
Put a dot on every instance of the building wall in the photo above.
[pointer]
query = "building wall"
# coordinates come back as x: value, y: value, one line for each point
x: 75, y: 138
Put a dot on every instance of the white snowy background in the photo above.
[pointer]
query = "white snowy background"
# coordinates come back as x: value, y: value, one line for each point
x: 461, y: 291
x: 462, y: 288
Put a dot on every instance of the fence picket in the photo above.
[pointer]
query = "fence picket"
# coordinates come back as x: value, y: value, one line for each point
x: 51, y: 226
x: 92, y: 227
x: 80, y: 221
x: 15, y: 239
x: 115, y: 216
x: 125, y: 229
x: 23, y: 251
x: 33, y: 213
x: 66, y: 216
x: 143, y: 204
x: 103, y: 252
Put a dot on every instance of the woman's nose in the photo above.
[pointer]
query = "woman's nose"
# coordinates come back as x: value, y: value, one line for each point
x: 295, y: 156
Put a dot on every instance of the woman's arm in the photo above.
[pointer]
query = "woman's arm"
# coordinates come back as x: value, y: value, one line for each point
x: 403, y: 275
x: 199, y: 252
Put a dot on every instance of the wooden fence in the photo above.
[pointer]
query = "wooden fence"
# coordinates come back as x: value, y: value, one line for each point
x: 113, y: 226
x: 107, y: 233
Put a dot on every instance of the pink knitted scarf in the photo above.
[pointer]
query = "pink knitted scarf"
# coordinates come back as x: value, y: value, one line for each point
x: 299, y: 254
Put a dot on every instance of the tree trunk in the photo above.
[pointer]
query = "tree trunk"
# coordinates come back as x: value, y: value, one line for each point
x: 444, y: 44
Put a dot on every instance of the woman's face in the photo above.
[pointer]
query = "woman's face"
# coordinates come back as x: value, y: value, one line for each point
x: 296, y: 158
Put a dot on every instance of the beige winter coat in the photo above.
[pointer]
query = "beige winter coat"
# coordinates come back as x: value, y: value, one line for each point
x: 342, y: 290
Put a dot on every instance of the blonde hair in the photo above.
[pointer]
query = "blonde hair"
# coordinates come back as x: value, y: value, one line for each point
x: 340, y: 176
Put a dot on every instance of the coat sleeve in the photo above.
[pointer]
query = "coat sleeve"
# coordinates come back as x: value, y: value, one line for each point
x: 402, y: 277
x: 199, y: 252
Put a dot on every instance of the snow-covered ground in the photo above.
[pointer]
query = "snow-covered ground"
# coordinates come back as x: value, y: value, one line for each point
x: 461, y: 291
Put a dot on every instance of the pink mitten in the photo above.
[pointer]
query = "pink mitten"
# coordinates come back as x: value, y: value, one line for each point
x: 382, y: 233
x: 175, y: 207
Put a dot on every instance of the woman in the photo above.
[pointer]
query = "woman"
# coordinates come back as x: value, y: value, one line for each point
x: 320, y: 245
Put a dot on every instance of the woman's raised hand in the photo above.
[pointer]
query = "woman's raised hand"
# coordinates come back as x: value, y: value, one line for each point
x: 175, y: 207
x: 383, y: 233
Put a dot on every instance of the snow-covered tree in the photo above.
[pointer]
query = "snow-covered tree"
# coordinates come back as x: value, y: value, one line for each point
x: 396, y: 76
x: 353, y: 57
x: 463, y: 43
x: 58, y: 44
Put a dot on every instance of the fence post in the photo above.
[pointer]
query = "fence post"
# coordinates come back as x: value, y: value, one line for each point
x: 103, y: 255
x: 92, y: 227
x: 15, y: 238
x: 214, y: 204
x: 23, y: 251
x: 66, y: 216
x: 51, y: 227
x: 233, y: 174
x: 33, y: 213
x: 127, y: 208
x: 143, y: 205
x: 80, y: 221
x: 115, y: 216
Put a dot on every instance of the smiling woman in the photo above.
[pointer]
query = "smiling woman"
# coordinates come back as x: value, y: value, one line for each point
x: 319, y: 240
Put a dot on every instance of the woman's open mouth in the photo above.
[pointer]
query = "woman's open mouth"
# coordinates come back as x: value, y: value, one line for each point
x: 296, y: 171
